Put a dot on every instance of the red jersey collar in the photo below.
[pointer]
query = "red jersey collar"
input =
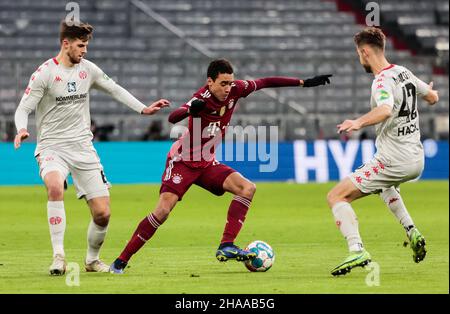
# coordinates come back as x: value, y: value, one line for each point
x: 387, y: 68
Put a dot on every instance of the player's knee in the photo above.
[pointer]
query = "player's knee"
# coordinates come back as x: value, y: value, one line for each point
x: 248, y: 190
x: 332, y: 198
x: 336, y: 195
x: 162, y: 213
x: 167, y: 202
x: 329, y: 196
x: 101, y: 218
x: 100, y: 211
x: 55, y: 191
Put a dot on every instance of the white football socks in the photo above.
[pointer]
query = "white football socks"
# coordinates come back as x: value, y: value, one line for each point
x: 95, y: 237
x: 347, y: 223
x: 57, y: 225
x: 395, y: 203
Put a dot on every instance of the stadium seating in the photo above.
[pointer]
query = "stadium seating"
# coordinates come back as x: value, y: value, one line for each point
x: 261, y: 38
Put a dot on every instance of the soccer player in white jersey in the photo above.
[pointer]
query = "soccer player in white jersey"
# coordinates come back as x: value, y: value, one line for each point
x: 399, y: 157
x: 59, y: 92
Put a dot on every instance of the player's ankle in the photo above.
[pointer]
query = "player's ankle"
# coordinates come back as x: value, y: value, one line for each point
x: 119, y: 263
x: 225, y: 244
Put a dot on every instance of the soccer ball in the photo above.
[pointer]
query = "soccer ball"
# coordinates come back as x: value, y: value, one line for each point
x: 264, y: 256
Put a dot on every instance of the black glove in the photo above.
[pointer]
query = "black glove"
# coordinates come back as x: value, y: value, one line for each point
x: 197, y: 105
x: 317, y: 80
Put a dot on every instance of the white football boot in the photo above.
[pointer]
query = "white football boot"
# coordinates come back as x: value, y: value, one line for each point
x: 97, y: 266
x: 58, y: 267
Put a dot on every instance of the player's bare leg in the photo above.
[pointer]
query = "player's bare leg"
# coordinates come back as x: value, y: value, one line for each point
x: 166, y: 203
x: 100, y: 211
x: 243, y: 191
x: 54, y: 182
x: 339, y: 199
x: 145, y: 230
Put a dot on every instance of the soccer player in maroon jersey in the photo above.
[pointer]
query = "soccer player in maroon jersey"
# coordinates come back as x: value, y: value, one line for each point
x: 211, y: 106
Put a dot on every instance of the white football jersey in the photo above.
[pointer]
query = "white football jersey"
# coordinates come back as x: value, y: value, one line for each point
x: 398, y: 137
x: 60, y: 96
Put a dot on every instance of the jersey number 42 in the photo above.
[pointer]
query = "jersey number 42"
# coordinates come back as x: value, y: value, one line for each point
x: 408, y: 108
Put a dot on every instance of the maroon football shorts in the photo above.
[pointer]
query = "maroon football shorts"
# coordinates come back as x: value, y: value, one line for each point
x: 178, y: 177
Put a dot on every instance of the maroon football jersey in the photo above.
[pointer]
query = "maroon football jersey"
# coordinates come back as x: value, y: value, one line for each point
x: 207, y: 130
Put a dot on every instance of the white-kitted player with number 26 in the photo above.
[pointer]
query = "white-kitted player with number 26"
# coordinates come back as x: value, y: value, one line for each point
x: 59, y: 93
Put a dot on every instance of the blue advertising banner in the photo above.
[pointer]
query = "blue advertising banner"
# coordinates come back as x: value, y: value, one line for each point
x: 299, y: 161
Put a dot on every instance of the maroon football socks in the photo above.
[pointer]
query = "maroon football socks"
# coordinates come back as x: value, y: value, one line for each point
x: 235, y: 218
x: 145, y: 230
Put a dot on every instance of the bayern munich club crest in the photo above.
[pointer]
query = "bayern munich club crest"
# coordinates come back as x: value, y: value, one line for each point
x: 177, y: 178
x: 82, y: 75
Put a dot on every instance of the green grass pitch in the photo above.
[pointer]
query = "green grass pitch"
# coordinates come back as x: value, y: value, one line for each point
x: 180, y: 258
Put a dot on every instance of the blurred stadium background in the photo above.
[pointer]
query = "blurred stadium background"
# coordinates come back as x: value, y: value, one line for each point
x: 160, y: 48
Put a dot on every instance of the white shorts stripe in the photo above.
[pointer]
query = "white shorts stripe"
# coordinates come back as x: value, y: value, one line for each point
x: 169, y: 170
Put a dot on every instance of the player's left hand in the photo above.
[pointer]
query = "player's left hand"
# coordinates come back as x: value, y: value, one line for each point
x: 196, y: 106
x: 348, y: 126
x: 317, y: 80
x: 155, y: 107
x: 21, y: 135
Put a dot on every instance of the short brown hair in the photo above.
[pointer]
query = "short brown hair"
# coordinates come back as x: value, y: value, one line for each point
x: 371, y: 36
x: 81, y: 31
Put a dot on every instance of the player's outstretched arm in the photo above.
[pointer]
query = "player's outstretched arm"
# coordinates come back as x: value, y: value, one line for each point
x: 281, y: 81
x: 155, y: 107
x: 432, y: 96
x: 375, y: 116
x: 104, y: 83
x: 317, y: 80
